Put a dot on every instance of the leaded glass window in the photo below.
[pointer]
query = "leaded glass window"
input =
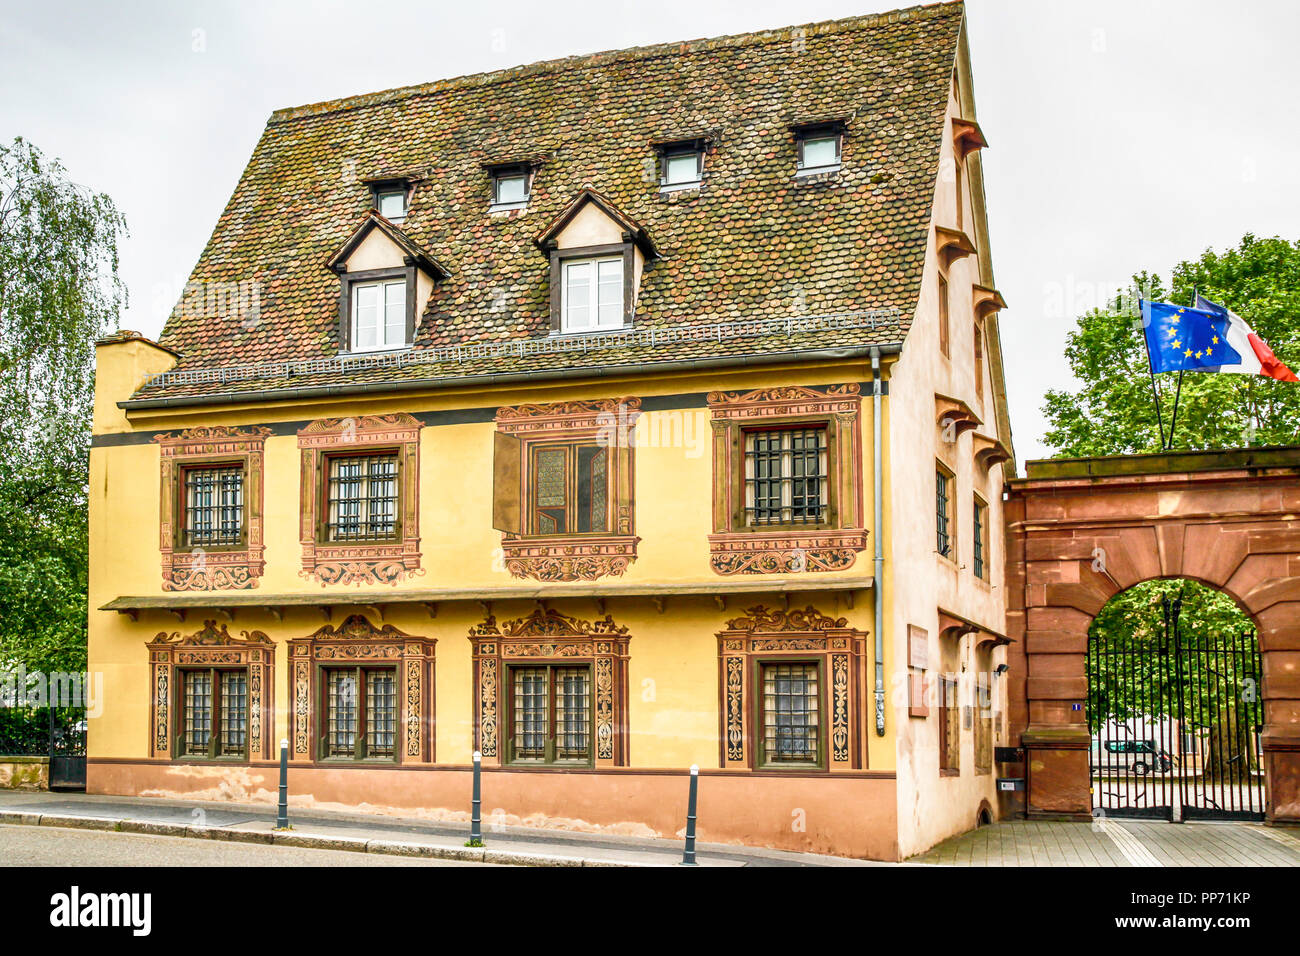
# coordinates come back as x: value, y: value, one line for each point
x: 360, y: 719
x: 361, y: 498
x: 198, y: 712
x: 214, y: 506
x: 340, y: 713
x: 234, y: 713
x: 214, y: 712
x: 381, y: 712
x: 786, y: 477
x: 550, y: 720
x: 791, y: 699
x: 570, y: 489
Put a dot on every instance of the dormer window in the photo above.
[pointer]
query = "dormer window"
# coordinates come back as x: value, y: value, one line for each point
x: 598, y: 256
x: 593, y: 294
x: 385, y: 280
x: 819, y: 148
x: 511, y: 186
x: 681, y: 165
x: 390, y: 199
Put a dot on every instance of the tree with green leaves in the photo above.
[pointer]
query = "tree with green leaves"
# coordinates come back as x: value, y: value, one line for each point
x: 1112, y: 412
x: 59, y: 291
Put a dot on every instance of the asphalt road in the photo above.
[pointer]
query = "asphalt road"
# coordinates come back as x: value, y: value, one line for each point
x: 53, y: 846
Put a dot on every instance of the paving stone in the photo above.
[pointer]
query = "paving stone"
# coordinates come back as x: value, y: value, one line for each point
x: 1037, y: 843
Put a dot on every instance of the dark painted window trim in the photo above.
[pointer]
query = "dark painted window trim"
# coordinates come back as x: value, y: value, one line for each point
x: 816, y: 131
x: 549, y: 762
x: 499, y: 171
x: 560, y: 256
x: 378, y: 186
x: 322, y: 698
x: 348, y: 279
x: 698, y: 147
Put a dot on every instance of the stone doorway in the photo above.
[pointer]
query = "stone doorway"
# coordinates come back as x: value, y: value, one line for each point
x: 1082, y: 530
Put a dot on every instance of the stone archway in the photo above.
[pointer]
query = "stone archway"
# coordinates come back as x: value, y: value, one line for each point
x: 1081, y: 530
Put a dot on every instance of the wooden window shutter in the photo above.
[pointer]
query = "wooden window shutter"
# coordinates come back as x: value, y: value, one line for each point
x: 507, y: 484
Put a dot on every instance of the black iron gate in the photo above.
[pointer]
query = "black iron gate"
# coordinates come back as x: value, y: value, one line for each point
x: 67, y: 748
x: 1175, y: 721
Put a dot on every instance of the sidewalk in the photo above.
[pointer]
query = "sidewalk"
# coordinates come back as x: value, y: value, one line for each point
x: 370, y: 833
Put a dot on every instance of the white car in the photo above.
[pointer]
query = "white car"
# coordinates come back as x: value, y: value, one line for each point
x: 1138, y: 757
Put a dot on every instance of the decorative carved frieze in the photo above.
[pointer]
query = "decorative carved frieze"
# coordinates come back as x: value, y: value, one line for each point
x: 186, y: 568
x: 606, y: 413
x: 569, y: 559
x: 760, y: 618
x: 787, y: 400
x: 785, y: 553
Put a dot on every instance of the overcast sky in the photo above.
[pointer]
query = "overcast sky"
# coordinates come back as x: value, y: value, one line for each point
x: 1124, y: 135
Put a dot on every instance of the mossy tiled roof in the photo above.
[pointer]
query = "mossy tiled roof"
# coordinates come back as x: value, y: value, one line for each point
x: 754, y: 242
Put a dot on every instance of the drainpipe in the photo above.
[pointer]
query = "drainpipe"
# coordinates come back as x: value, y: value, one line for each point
x: 878, y: 583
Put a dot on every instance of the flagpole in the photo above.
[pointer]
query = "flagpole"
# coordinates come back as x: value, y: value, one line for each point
x: 1160, y: 421
x: 1174, y: 420
x: 1179, y: 390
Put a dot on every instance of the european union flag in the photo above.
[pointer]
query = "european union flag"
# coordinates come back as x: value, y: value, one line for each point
x: 1183, y: 339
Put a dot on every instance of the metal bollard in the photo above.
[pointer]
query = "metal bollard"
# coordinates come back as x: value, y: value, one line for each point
x: 688, y: 856
x: 476, y: 805
x: 282, y: 815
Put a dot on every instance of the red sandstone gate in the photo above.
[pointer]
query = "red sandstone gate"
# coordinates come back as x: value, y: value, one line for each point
x: 1082, y: 530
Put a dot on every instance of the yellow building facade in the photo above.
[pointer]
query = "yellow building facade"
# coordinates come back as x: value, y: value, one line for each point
x: 617, y: 509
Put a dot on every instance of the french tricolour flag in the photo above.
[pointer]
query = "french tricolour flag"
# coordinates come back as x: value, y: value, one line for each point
x: 1256, y: 357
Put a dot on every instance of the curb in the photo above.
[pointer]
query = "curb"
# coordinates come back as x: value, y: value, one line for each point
x: 308, y: 841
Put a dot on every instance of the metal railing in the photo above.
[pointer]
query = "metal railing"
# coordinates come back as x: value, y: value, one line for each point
x: 651, y: 336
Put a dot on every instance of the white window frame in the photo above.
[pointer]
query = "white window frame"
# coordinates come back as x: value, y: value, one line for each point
x: 382, y: 343
x: 594, y: 294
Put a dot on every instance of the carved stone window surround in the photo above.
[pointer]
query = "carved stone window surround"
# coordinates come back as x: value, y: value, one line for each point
x: 211, y: 647
x: 570, y: 556
x: 211, y: 568
x: 360, y: 562
x: 357, y: 642
x: 546, y: 636
x: 774, y: 636
x: 765, y: 549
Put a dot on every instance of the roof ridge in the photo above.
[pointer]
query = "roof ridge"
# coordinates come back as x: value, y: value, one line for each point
x: 628, y: 54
